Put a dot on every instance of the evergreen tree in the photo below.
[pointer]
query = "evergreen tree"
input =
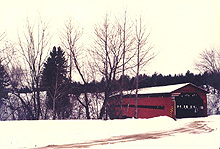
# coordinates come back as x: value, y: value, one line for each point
x: 57, y: 85
x: 4, y: 84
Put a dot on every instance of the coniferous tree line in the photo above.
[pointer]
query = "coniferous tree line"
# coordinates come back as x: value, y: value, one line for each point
x: 158, y: 79
x: 37, y: 81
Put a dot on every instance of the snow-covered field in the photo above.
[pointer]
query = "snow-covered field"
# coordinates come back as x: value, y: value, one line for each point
x: 156, y: 133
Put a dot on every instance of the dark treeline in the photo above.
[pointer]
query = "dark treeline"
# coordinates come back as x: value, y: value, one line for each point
x: 154, y: 80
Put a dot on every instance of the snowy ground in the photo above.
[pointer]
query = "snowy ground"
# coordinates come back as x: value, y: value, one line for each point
x: 156, y: 133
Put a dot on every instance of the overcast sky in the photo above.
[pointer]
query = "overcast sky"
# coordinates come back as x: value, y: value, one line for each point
x: 180, y: 29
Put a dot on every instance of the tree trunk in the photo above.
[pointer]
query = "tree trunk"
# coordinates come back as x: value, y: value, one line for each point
x: 87, y: 106
x: 103, y: 109
x: 38, y: 101
x: 137, y: 80
x: 54, y: 108
x: 136, y: 99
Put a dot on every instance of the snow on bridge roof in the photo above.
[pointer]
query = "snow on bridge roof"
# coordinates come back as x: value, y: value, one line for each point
x: 159, y: 89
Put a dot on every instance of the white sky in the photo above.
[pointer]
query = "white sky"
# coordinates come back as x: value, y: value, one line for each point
x: 180, y: 29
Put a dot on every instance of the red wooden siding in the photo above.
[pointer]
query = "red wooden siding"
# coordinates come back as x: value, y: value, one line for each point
x: 147, y: 112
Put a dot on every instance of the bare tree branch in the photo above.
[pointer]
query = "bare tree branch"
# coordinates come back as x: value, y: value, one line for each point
x: 70, y: 38
x: 209, y: 61
x: 143, y: 54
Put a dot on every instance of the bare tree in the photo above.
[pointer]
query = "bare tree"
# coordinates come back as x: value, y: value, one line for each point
x: 18, y: 105
x: 105, y: 55
x: 208, y: 61
x: 34, y: 47
x: 2, y: 36
x: 69, y: 38
x: 116, y: 46
x: 143, y: 53
x: 70, y: 41
x: 112, y: 42
x: 125, y: 27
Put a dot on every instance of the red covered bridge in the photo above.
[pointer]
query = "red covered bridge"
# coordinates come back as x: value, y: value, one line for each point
x: 176, y: 101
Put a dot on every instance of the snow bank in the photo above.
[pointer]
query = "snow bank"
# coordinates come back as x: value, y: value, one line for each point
x: 17, y: 134
x: 41, y: 133
x: 179, y: 140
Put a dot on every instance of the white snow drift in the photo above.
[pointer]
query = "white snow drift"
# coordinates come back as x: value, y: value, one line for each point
x: 30, y: 134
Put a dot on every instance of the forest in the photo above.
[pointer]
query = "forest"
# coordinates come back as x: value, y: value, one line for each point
x: 74, y: 80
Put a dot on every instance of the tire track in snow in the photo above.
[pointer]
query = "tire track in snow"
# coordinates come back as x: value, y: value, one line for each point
x: 196, y: 127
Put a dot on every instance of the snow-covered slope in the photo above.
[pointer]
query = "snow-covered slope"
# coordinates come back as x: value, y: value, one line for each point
x: 159, y: 132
